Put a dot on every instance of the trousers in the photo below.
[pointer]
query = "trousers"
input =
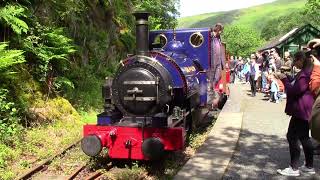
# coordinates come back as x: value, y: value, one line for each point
x: 298, y: 130
x: 253, y: 84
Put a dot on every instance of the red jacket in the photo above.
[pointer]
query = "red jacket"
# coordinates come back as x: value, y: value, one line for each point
x: 315, y: 80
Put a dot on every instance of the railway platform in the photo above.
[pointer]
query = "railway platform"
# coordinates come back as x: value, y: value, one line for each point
x: 248, y: 141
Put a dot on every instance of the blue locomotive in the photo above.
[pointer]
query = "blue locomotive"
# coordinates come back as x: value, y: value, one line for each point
x: 149, y: 103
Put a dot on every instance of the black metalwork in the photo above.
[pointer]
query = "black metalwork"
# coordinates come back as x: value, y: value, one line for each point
x: 153, y: 148
x: 141, y: 88
x: 142, y: 33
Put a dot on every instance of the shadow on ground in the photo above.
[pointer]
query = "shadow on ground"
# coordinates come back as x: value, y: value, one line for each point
x: 260, y: 158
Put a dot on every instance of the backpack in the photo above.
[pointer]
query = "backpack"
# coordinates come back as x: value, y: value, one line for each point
x: 315, y: 119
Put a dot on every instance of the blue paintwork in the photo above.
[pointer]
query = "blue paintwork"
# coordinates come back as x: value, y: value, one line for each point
x: 162, y: 58
x: 104, y: 120
x: 184, y: 54
x: 176, y: 46
x: 202, y: 53
x: 185, y: 62
x: 175, y: 75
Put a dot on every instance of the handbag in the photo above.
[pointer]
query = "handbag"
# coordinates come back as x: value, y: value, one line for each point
x: 315, y: 119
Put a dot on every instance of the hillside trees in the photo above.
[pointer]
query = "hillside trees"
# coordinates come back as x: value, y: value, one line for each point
x: 283, y: 24
x: 312, y: 13
x: 241, y: 40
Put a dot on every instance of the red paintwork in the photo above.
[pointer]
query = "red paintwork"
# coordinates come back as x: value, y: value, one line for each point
x: 172, y: 138
x: 228, y: 76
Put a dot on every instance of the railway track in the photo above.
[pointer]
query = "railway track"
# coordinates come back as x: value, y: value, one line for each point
x: 87, y: 176
x: 46, y: 162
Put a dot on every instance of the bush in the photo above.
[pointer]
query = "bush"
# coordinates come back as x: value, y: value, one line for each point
x: 9, y: 124
x: 58, y: 109
x: 5, y: 154
x: 87, y: 88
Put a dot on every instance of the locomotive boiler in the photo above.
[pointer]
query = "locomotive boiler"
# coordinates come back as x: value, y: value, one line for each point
x: 150, y: 101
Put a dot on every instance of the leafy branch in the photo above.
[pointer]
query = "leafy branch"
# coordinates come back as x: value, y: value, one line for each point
x: 11, y: 15
x: 9, y: 57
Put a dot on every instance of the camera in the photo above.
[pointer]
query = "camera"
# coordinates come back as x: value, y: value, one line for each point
x: 266, y: 53
x: 314, y: 52
x: 285, y: 69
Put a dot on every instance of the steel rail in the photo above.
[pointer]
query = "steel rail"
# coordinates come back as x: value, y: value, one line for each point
x: 39, y: 167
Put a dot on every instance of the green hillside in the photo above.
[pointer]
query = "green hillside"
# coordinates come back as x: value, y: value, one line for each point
x: 253, y: 17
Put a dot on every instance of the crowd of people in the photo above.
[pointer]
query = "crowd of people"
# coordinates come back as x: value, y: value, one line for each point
x: 259, y: 70
x: 297, y: 79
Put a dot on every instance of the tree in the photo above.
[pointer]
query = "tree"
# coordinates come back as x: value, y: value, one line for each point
x: 312, y: 13
x: 241, y: 40
x: 282, y: 25
x: 163, y: 12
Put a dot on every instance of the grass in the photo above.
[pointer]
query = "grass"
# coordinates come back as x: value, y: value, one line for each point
x: 69, y: 162
x: 89, y: 117
x: 253, y: 17
x: 190, y: 20
x: 258, y: 15
x: 41, y: 142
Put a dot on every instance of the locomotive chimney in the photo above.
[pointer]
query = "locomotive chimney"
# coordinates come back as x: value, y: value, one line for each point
x: 142, y: 33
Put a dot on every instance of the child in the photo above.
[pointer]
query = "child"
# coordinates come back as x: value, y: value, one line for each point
x: 274, y: 89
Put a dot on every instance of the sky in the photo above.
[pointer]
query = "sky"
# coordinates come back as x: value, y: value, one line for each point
x: 193, y: 7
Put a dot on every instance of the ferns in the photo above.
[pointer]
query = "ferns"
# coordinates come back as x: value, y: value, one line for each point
x: 9, y: 57
x: 48, y: 45
x: 10, y: 14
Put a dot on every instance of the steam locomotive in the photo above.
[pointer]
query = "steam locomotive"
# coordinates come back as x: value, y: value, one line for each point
x: 150, y: 101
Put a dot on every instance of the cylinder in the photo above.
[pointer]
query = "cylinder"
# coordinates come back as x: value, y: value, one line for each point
x: 91, y: 145
x: 153, y: 148
x: 142, y: 33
